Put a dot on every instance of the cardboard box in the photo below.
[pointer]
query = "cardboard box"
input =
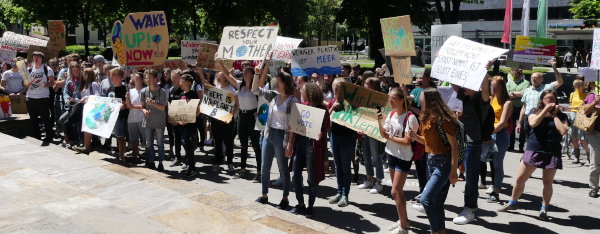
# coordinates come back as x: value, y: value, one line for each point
x: 18, y: 104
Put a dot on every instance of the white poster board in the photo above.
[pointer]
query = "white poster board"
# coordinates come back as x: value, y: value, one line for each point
x: 100, y: 115
x: 246, y: 43
x: 589, y: 74
x: 463, y: 62
x: 595, y: 63
x: 306, y: 120
x: 218, y: 103
x: 18, y: 42
x: 190, y: 50
x: 323, y: 60
x: 441, y: 33
x: 6, y: 56
x: 274, y: 66
x: 283, y: 48
x: 449, y: 96
x: 262, y: 113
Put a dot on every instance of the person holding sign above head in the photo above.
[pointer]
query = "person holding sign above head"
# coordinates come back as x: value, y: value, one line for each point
x: 187, y: 130
x: 38, y: 96
x: 154, y: 101
x: 276, y: 136
x: 397, y: 126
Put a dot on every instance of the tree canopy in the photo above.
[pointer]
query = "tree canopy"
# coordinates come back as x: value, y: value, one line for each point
x: 589, y: 10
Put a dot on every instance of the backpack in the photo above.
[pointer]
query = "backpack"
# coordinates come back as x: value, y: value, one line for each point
x: 459, y: 131
x: 29, y: 69
x: 418, y: 149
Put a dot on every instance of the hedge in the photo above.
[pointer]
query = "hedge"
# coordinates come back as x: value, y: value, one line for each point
x: 79, y: 49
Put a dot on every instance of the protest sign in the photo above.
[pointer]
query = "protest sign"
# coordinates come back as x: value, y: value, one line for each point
x: 283, y: 48
x: 49, y: 52
x: 402, y: 72
x: 18, y: 42
x: 262, y: 112
x: 22, y: 66
x: 56, y: 32
x: 463, y: 62
x: 275, y: 65
x: 183, y: 110
x: 323, y: 60
x: 190, y: 50
x: 18, y: 105
x: 100, y: 115
x: 439, y: 35
x: 360, y: 110
x: 306, y: 120
x: 595, y: 63
x: 206, y: 55
x: 146, y: 39
x: 247, y: 43
x: 398, y: 36
x: 6, y: 56
x: 534, y: 50
x: 171, y: 64
x: 589, y: 74
x: 116, y: 39
x: 449, y: 96
x: 218, y: 103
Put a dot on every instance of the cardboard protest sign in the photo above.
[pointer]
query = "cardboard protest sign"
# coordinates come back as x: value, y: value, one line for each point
x: 145, y: 39
x: 183, y: 110
x: 463, y: 62
x: 116, y: 39
x: 534, y: 50
x: 172, y: 64
x: 56, y: 32
x: 190, y: 50
x: 206, y: 55
x: 323, y: 60
x: 402, y: 72
x: 595, y: 63
x: 360, y: 110
x: 18, y: 105
x: 262, y: 112
x: 22, y: 66
x: 247, y: 43
x: 441, y: 33
x: 398, y: 36
x: 100, y: 115
x: 589, y: 74
x: 275, y: 65
x: 283, y: 48
x: 6, y: 56
x: 306, y: 120
x: 49, y: 52
x: 18, y: 42
x: 218, y: 103
x: 449, y: 96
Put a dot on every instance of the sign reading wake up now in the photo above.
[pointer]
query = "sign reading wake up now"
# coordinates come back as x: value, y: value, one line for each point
x: 145, y: 39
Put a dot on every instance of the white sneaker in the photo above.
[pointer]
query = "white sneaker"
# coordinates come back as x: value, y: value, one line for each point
x: 419, y: 207
x: 481, y: 186
x: 277, y: 182
x: 490, y: 189
x: 377, y: 188
x: 366, y: 185
x: 465, y: 217
x: 215, y: 168
x: 399, y: 231
x: 231, y: 168
x: 396, y: 225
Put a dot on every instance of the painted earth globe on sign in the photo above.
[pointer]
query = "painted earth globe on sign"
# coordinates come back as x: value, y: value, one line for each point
x: 263, y: 113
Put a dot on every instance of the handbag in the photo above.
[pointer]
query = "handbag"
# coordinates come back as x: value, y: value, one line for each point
x: 586, y: 122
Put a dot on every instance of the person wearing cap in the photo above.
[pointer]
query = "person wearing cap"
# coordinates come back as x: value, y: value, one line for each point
x: 38, y: 96
x: 99, y: 62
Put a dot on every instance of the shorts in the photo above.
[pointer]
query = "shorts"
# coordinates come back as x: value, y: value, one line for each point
x: 398, y: 165
x: 119, y: 130
x: 576, y: 133
x: 542, y: 160
x: 135, y: 132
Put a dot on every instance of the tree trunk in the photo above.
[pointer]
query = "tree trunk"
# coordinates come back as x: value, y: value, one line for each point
x: 375, y: 36
x: 440, y: 11
x: 194, y: 24
x: 455, y: 11
x: 86, y: 31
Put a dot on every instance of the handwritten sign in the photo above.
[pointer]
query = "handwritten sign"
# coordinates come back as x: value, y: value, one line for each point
x: 262, y: 112
x: 402, y: 72
x: 100, y: 115
x: 441, y: 33
x: 218, y: 103
x: 595, y: 63
x: 145, y: 38
x: 56, y: 32
x: 18, y: 42
x: 247, y: 43
x: 6, y: 56
x: 589, y: 74
x: 398, y: 36
x: 206, y: 56
x: 49, y: 52
x: 306, y: 120
x: 463, y: 62
x: 172, y: 64
x: 275, y: 65
x: 323, y: 60
x: 190, y: 51
x: 534, y: 50
x: 116, y: 39
x: 449, y: 96
x: 22, y: 66
x: 183, y: 110
x: 283, y: 48
x: 360, y: 110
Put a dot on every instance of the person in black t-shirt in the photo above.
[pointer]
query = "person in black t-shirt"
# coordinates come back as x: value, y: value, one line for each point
x: 118, y: 90
x: 174, y: 133
x: 187, y: 130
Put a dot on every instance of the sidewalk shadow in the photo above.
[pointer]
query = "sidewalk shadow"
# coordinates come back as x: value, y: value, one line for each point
x: 340, y: 219
x: 514, y: 227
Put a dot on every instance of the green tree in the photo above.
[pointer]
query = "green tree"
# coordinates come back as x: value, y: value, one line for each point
x: 589, y: 10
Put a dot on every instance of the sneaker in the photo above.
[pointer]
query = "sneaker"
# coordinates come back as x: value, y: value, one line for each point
x: 490, y: 189
x: 416, y: 199
x: 399, y: 231
x: 190, y: 173
x: 343, y: 202
x: 543, y: 215
x: 257, y: 178
x: 298, y: 210
x: 309, y: 212
x: 242, y: 172
x: 481, y: 186
x: 465, y: 217
x: 185, y: 167
x: 594, y: 193
x: 284, y: 204
x: 230, y: 168
x: 161, y: 168
x: 507, y: 207
x: 215, y: 168
x: 377, y: 188
x: 493, y: 198
x: 277, y: 182
x: 419, y: 207
x: 461, y: 177
x: 335, y: 199
x: 396, y: 225
x: 208, y: 142
x: 366, y: 185
x: 262, y: 200
x: 175, y: 163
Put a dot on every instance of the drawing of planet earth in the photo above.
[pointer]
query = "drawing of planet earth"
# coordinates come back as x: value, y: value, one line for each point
x: 263, y: 113
x: 98, y: 116
x: 241, y: 51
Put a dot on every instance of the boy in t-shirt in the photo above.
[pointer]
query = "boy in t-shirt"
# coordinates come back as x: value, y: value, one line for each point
x: 118, y: 90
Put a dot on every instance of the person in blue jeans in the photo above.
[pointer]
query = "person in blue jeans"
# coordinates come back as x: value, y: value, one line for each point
x: 154, y: 101
x: 372, y: 153
x: 438, y: 136
x: 343, y: 142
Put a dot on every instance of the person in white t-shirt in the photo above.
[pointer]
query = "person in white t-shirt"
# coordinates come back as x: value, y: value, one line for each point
x: 136, y: 116
x: 399, y: 151
x: 12, y: 80
x: 38, y: 96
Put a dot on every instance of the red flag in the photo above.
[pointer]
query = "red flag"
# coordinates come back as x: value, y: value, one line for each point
x: 506, y: 37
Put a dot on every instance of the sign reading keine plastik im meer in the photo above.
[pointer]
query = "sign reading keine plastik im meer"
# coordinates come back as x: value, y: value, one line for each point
x: 463, y: 62
x: 323, y: 60
x: 247, y: 43
x: 100, y: 115
x: 398, y: 36
x: 145, y: 39
x: 534, y: 50
x: 218, y: 104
